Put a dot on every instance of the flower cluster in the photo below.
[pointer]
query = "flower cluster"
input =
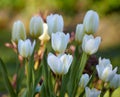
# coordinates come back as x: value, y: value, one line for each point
x: 52, y: 69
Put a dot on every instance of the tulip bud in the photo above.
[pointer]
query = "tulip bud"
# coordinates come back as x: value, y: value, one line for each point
x: 92, y: 92
x: 84, y: 80
x: 18, y: 31
x: 59, y: 64
x: 25, y: 48
x: 44, y: 37
x: 104, y: 69
x: 36, y: 26
x: 91, y: 22
x: 115, y: 82
x: 55, y: 23
x: 59, y: 41
x: 79, y: 33
x: 90, y: 44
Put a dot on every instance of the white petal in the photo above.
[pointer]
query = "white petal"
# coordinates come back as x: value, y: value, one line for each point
x: 54, y: 63
x: 66, y: 61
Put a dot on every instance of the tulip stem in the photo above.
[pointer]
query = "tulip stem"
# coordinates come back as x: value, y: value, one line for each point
x: 102, y: 89
x: 28, y: 74
x: 57, y: 84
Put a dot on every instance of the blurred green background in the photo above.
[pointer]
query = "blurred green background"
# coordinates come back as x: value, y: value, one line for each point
x: 73, y: 12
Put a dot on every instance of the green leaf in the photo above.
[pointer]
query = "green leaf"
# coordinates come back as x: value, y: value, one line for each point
x: 6, y: 79
x: 43, y: 91
x: 107, y: 94
x: 20, y: 75
x: 30, y: 86
x: 65, y: 80
x: 38, y: 74
x: 47, y: 82
x: 73, y: 70
x: 22, y: 93
x: 116, y: 93
x: 79, y: 72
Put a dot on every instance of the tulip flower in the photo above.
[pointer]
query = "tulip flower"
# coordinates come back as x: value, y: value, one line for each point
x: 84, y: 80
x: 25, y: 48
x: 104, y: 69
x: 55, y: 23
x: 92, y: 92
x: 91, y: 22
x: 59, y: 64
x: 115, y: 82
x: 45, y: 37
x: 59, y: 41
x: 18, y: 31
x: 36, y: 26
x: 90, y: 44
x: 104, y: 61
x: 79, y: 33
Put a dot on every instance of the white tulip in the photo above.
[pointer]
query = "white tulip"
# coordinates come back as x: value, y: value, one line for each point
x: 84, y: 80
x: 105, y: 62
x: 90, y: 44
x: 25, y: 48
x: 18, y: 31
x: 36, y: 26
x: 59, y: 41
x: 104, y: 69
x: 115, y: 82
x: 59, y: 64
x: 55, y: 23
x: 91, y: 22
x: 79, y: 33
x: 92, y: 92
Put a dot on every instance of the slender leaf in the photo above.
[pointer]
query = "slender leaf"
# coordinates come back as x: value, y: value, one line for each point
x: 107, y: 94
x: 79, y: 73
x: 6, y: 79
x: 116, y: 93
x: 65, y: 80
x: 37, y: 75
x: 23, y: 93
x: 20, y: 75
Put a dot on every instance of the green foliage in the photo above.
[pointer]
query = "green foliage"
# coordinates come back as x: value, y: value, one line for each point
x: 116, y: 93
x: 105, y: 6
x: 107, y: 94
x: 13, y: 4
x: 69, y: 7
x: 6, y: 79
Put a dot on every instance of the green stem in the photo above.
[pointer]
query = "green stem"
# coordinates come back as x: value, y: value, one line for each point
x: 29, y: 79
x: 102, y: 90
x: 79, y: 72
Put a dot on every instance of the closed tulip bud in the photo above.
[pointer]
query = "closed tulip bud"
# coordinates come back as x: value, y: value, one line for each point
x: 45, y: 37
x: 90, y: 44
x: 115, y: 82
x: 59, y: 41
x: 55, y: 23
x: 92, y: 92
x: 84, y: 80
x: 79, y: 33
x: 91, y: 22
x: 59, y: 64
x: 18, y: 31
x: 36, y: 26
x: 104, y: 69
x: 25, y: 48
